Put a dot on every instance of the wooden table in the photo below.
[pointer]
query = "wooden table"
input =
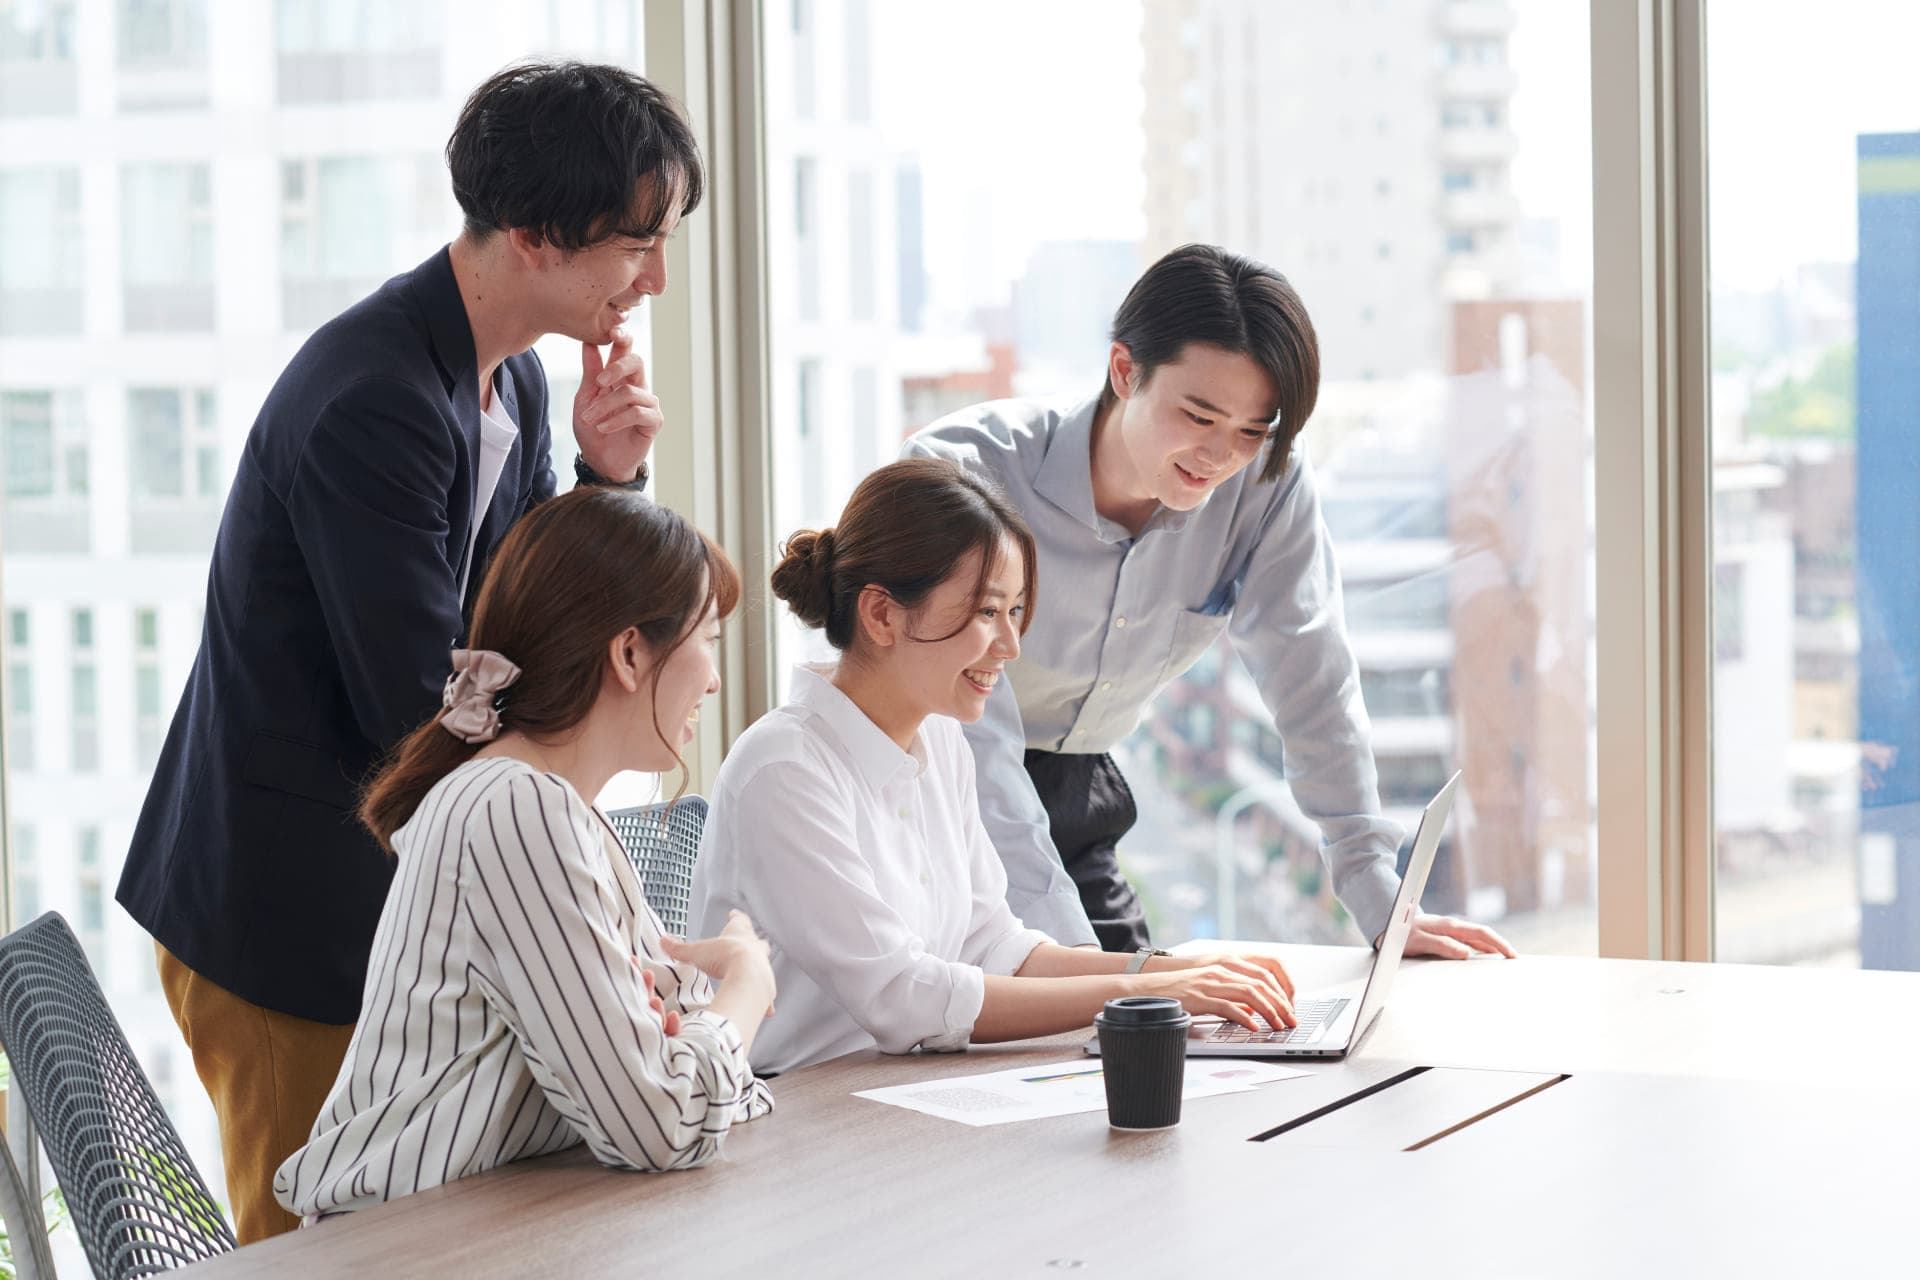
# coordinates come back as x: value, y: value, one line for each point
x: 1688, y: 1139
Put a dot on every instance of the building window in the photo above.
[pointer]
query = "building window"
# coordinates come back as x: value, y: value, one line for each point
x: 347, y: 223
x: 38, y: 73
x: 860, y: 232
x: 86, y: 695
x: 166, y: 239
x: 1457, y: 180
x: 806, y: 222
x: 162, y: 53
x: 20, y: 756
x: 40, y: 256
x: 1460, y: 242
x: 26, y: 873
x: 176, y: 443
x: 91, y: 925
x: 1729, y: 612
x: 859, y: 30
x: 147, y: 712
x: 356, y: 50
x: 44, y: 443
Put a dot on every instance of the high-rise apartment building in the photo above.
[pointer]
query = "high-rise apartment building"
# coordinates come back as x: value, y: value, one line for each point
x: 176, y: 213
x: 834, y: 187
x: 1364, y: 149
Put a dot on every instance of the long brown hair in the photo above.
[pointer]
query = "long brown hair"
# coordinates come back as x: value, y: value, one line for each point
x: 904, y: 530
x: 575, y: 572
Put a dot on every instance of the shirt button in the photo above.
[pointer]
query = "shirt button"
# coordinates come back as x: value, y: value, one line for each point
x: 1119, y: 622
x: 924, y: 878
x: 1105, y: 685
x: 905, y: 814
x: 1081, y: 732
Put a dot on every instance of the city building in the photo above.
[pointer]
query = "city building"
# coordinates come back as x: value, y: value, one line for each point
x: 176, y: 218
x: 1888, y: 560
x: 1364, y: 150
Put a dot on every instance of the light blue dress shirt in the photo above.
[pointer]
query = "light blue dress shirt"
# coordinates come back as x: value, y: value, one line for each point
x: 1119, y: 617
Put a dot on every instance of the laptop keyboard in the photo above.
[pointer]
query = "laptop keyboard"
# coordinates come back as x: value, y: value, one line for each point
x: 1313, y: 1015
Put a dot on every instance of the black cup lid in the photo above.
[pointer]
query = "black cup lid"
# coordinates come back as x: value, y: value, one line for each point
x: 1142, y: 1011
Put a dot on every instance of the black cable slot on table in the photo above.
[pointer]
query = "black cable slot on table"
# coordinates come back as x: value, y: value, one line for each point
x: 1347, y: 1101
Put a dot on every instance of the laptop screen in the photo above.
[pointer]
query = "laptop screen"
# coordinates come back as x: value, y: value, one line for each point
x: 1406, y: 905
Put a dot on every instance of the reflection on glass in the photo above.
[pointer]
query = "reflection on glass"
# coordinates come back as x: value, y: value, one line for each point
x: 1816, y: 485
x: 1419, y: 171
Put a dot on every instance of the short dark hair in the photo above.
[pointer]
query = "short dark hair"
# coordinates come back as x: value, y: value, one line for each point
x: 906, y: 528
x: 1203, y: 293
x: 560, y: 149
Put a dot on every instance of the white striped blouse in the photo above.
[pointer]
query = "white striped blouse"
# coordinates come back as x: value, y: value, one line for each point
x: 505, y: 1015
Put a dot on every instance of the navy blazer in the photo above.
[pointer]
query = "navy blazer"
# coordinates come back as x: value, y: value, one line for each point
x: 332, y: 606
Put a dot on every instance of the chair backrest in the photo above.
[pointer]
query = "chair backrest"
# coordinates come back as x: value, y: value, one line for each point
x: 663, y: 840
x: 137, y: 1202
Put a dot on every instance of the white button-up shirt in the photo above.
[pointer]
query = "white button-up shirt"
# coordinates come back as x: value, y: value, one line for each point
x: 868, y: 869
x: 1121, y: 616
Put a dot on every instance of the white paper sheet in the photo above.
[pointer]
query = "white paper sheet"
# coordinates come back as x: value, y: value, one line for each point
x: 1059, y: 1089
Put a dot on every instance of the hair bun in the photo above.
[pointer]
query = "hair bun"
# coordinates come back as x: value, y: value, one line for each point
x: 804, y: 576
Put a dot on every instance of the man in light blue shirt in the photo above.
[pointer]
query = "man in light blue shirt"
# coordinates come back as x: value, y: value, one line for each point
x: 1155, y: 535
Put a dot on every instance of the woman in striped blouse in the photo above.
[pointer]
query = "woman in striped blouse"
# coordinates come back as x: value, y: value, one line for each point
x: 521, y: 996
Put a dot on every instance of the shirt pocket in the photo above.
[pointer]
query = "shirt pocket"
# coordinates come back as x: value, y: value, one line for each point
x: 1194, y: 631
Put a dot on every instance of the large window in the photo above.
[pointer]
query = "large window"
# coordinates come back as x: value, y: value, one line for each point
x: 1419, y: 169
x: 1816, y: 484
x: 186, y: 189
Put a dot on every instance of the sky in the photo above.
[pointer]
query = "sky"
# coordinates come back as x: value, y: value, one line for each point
x: 1028, y: 124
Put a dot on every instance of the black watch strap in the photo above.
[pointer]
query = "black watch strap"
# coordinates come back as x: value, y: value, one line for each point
x: 585, y: 474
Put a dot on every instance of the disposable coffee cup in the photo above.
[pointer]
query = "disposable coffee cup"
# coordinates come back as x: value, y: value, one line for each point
x: 1143, y: 1043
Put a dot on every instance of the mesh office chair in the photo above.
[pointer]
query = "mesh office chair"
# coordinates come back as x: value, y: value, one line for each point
x: 663, y: 840
x: 137, y: 1202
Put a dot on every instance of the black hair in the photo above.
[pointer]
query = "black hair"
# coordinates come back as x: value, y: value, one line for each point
x: 1203, y: 293
x: 561, y: 149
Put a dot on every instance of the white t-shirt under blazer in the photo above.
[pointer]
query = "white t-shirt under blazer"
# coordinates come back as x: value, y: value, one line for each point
x: 868, y: 869
x: 505, y: 1013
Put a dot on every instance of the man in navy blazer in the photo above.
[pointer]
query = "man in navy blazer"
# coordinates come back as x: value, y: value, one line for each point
x: 394, y: 452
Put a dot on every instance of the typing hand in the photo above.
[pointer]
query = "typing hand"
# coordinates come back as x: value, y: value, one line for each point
x: 1205, y: 984
x: 615, y: 415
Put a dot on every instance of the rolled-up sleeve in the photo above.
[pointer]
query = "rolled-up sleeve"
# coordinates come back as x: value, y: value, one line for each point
x: 815, y: 897
x: 1289, y: 627
x: 561, y: 974
x: 997, y: 940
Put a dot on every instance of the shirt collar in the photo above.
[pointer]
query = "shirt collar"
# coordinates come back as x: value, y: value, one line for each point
x: 874, y: 756
x: 1065, y: 478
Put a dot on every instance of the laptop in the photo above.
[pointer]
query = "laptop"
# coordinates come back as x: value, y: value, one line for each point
x: 1333, y: 1022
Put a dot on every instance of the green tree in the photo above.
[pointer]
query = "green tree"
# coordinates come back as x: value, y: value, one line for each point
x: 1817, y: 407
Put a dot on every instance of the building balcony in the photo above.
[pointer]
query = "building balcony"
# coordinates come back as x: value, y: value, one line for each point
x: 1477, y: 146
x: 169, y: 308
x: 1479, y: 209
x: 1413, y: 735
x: 1398, y: 649
x: 1476, y: 18
x: 26, y: 313
x: 1478, y: 81
x: 58, y: 526
x: 1376, y: 560
x: 39, y: 88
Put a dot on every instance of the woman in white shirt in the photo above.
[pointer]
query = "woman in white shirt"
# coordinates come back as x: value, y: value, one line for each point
x: 521, y: 997
x: 846, y: 822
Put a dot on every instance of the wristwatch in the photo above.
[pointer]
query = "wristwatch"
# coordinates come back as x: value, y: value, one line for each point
x: 1143, y: 955
x: 584, y: 473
